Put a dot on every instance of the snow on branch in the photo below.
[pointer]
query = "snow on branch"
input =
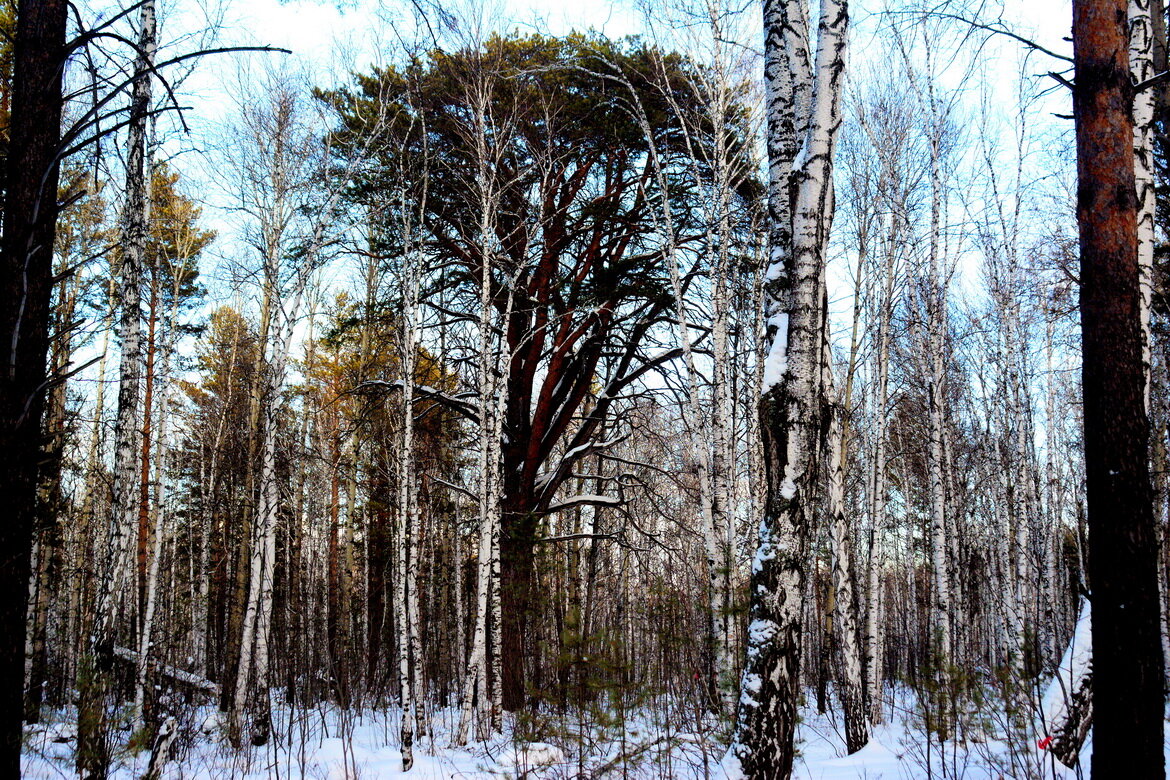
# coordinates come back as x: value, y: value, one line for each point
x: 455, y: 403
x: 585, y: 500
x: 574, y: 454
x: 576, y: 537
x: 178, y: 675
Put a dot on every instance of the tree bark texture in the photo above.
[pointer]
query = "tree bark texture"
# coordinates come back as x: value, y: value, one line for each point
x: 791, y: 405
x: 26, y: 281
x: 1127, y: 658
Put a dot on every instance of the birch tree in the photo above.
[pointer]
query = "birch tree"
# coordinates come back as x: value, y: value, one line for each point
x: 803, y: 119
x: 284, y: 158
x: 850, y: 688
x: 882, y: 197
x: 484, y: 678
x: 93, y: 749
x: 703, y: 305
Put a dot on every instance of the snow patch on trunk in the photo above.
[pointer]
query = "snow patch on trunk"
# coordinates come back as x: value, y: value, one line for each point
x: 776, y: 363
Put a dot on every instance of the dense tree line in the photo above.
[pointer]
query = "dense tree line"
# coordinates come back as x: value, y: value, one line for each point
x: 546, y: 380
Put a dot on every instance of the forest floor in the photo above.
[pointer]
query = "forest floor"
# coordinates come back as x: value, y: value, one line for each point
x: 327, y: 744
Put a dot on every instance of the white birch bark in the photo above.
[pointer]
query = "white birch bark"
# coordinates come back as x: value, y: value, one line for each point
x: 124, y: 509
x: 281, y: 193
x: 475, y: 686
x: 936, y: 304
x: 252, y: 674
x: 1141, y: 66
x: 850, y: 691
x: 877, y: 490
x: 482, y: 689
x: 407, y: 517
x: 1022, y: 477
x: 93, y: 756
x: 792, y: 392
x: 407, y: 569
x: 1146, y: 31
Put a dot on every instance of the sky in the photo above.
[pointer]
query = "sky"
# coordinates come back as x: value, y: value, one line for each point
x: 323, y: 33
x: 333, y: 38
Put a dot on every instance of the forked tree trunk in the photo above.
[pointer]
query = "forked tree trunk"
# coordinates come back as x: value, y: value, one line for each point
x: 790, y: 406
x: 252, y: 676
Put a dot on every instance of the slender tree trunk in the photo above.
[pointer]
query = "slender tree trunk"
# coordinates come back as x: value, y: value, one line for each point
x: 852, y: 684
x: 238, y: 599
x: 850, y: 690
x: 156, y: 523
x: 877, y: 497
x: 406, y: 587
x: 936, y: 305
x: 93, y: 756
x: 143, y: 704
x: 252, y: 676
x: 145, y: 531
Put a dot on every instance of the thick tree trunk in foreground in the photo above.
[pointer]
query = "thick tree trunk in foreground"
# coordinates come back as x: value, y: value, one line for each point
x: 26, y: 274
x: 1127, y: 660
x: 790, y: 408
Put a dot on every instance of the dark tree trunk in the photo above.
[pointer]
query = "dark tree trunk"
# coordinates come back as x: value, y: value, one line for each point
x: 1127, y: 657
x: 47, y: 541
x: 517, y: 565
x: 26, y: 282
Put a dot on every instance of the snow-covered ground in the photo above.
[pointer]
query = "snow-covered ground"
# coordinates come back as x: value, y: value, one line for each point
x: 324, y: 743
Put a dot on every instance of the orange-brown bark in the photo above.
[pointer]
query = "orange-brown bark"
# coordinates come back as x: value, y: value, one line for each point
x: 1127, y: 660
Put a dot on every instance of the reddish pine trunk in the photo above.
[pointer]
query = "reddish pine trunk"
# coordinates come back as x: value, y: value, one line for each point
x: 1127, y: 660
x: 144, y: 486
